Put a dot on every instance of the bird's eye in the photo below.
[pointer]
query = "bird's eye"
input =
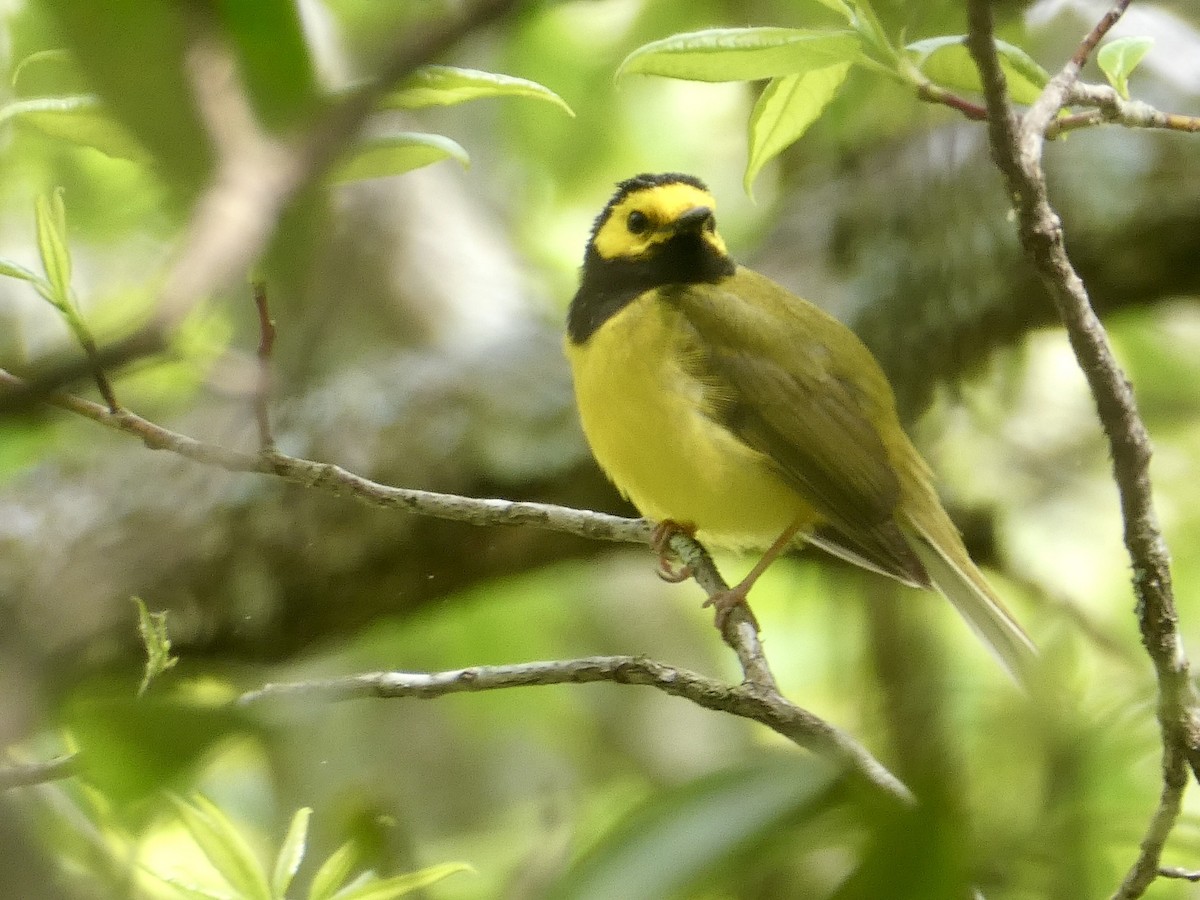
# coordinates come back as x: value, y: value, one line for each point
x: 711, y: 225
x: 637, y: 222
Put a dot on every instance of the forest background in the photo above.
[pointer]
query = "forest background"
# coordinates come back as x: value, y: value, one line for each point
x: 417, y: 306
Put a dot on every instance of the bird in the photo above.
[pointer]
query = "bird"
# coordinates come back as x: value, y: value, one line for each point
x: 723, y: 405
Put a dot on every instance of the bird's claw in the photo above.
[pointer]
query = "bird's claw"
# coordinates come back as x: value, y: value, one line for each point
x: 660, y: 541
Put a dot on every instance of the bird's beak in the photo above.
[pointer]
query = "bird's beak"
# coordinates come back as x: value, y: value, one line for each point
x: 692, y: 221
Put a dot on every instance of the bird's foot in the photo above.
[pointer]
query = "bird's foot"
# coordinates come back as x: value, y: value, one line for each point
x: 723, y: 603
x: 668, y: 562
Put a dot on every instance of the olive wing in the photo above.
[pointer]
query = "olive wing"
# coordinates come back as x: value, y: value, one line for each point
x: 797, y: 386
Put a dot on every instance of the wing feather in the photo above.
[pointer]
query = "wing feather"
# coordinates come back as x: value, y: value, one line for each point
x: 786, y: 379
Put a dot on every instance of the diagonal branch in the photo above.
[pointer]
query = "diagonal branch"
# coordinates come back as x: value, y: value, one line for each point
x: 1017, y: 148
x: 766, y: 707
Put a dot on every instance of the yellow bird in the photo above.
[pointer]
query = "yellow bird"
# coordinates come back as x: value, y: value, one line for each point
x: 720, y: 403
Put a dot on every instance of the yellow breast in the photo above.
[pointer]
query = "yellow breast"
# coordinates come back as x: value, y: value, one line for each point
x: 644, y: 416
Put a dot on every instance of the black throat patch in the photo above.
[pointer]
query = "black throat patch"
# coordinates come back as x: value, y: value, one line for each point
x: 609, y: 285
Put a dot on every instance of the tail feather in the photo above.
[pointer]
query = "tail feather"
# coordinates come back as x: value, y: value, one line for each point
x: 963, y: 585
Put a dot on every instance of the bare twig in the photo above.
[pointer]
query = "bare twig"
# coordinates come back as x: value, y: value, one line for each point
x: 768, y: 708
x: 1017, y: 148
x: 262, y: 389
x: 27, y: 774
x: 1110, y: 107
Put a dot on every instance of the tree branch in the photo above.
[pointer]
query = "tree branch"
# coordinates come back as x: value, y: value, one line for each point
x: 1017, y: 146
x: 747, y: 701
x: 738, y: 629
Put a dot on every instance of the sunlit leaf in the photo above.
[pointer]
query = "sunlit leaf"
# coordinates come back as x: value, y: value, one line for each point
x: 291, y: 852
x: 80, y: 119
x: 448, y: 85
x: 1118, y: 58
x: 683, y: 835
x: 401, y: 885
x: 152, y: 628
x: 741, y: 54
x: 946, y: 61
x: 333, y: 872
x: 785, y: 110
x: 396, y: 154
x: 50, y: 219
x: 224, y: 846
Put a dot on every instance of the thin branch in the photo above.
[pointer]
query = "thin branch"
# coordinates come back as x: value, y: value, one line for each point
x: 1176, y: 872
x: 935, y: 93
x: 1096, y: 35
x: 1017, y: 148
x: 27, y: 774
x: 739, y: 629
x: 262, y: 388
x: 768, y: 708
x: 1109, y: 107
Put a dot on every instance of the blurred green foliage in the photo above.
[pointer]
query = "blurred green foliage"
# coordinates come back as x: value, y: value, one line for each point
x: 600, y: 790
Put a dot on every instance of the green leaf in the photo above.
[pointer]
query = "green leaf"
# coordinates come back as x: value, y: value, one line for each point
x: 741, y: 54
x: 134, y: 56
x: 51, y: 59
x: 1118, y: 58
x: 448, y: 85
x: 79, y: 119
x: 946, y: 61
x: 333, y: 872
x: 224, y: 846
x: 152, y: 627
x: 194, y: 892
x: 50, y: 218
x: 132, y: 749
x: 683, y: 836
x: 399, y: 885
x: 396, y: 154
x: 785, y: 110
x: 291, y: 853
x: 840, y: 7
x: 274, y: 58
x: 870, y: 29
x: 16, y: 270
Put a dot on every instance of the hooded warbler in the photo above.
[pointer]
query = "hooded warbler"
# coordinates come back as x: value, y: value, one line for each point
x: 722, y: 404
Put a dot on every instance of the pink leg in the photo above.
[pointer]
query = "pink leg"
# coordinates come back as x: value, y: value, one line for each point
x: 725, y: 601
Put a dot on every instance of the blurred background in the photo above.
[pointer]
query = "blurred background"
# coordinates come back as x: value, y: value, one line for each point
x: 419, y: 327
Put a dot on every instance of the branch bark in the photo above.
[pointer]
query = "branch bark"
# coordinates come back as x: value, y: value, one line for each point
x: 1017, y: 145
x: 749, y: 700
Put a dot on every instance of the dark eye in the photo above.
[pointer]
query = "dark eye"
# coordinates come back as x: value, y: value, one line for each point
x: 711, y: 225
x: 637, y: 222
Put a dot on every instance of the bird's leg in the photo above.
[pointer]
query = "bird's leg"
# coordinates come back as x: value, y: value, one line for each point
x: 660, y: 543
x: 724, y: 601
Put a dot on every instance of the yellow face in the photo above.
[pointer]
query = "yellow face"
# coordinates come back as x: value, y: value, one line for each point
x: 647, y: 217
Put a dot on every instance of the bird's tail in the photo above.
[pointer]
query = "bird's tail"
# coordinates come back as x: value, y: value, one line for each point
x: 960, y: 582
